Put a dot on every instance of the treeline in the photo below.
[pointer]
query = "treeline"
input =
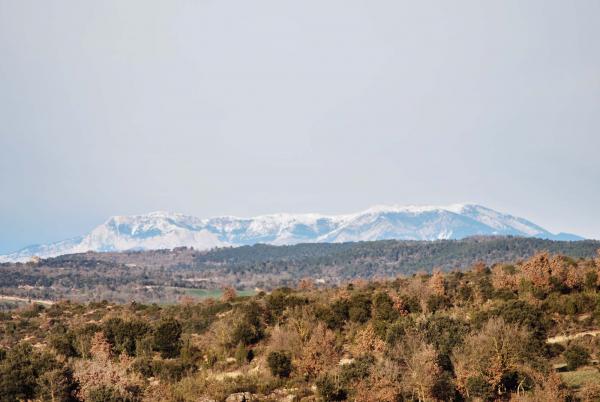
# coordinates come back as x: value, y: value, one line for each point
x: 157, y: 275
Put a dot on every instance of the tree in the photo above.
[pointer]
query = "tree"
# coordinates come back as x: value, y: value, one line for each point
x: 229, y: 294
x: 576, y: 356
x: 421, y: 366
x: 280, y: 364
x: 492, y: 357
x: 383, y: 307
x: 359, y: 309
x: 20, y: 370
x: 57, y: 385
x: 319, y: 353
x: 167, y: 338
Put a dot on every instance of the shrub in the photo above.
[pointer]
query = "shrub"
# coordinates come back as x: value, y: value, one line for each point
x: 123, y: 335
x: 62, y: 341
x: 335, y: 315
x: 576, y: 356
x: 249, y: 328
x: 106, y: 393
x: 357, y: 370
x: 243, y: 354
x: 167, y: 338
x: 383, y: 307
x: 359, y: 308
x: 330, y: 389
x: 280, y: 364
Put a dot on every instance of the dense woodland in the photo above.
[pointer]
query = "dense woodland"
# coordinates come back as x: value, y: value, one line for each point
x: 509, y: 332
x: 164, y: 275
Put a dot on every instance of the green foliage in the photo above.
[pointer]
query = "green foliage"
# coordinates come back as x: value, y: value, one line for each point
x: 359, y: 308
x: 63, y: 341
x: 280, y: 364
x: 279, y: 300
x: 576, y: 356
x: 123, y: 335
x: 20, y: 370
x: 330, y: 389
x: 107, y: 394
x: 477, y: 387
x: 167, y: 338
x: 525, y: 314
x: 33, y: 311
x: 249, y: 329
x: 444, y: 389
x: 57, y: 385
x: 335, y: 315
x: 437, y: 302
x: 383, y: 307
x: 357, y: 370
x: 397, y: 330
x: 243, y: 354
x: 171, y: 370
x: 443, y: 332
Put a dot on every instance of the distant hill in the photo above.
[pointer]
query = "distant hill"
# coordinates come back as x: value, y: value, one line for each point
x: 163, y: 230
x: 166, y: 275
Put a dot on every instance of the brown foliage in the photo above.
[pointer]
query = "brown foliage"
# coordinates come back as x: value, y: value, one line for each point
x: 320, y: 352
x: 383, y: 385
x: 420, y: 366
x: 437, y: 283
x: 103, y: 371
x: 493, y: 351
x: 229, y: 294
x: 306, y: 284
x: 367, y: 341
x: 548, y: 388
x: 503, y: 279
x: 399, y: 304
x: 100, y: 348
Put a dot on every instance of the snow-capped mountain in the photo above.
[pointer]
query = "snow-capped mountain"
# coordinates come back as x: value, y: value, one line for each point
x: 163, y: 230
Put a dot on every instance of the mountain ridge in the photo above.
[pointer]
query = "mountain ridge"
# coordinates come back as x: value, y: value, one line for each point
x: 167, y: 230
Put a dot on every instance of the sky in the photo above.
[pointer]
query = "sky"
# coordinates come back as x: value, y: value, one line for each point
x: 220, y: 107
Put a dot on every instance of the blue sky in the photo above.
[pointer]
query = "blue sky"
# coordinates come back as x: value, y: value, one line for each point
x: 243, y: 108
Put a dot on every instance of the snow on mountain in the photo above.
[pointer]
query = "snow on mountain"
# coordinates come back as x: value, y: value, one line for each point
x: 164, y: 230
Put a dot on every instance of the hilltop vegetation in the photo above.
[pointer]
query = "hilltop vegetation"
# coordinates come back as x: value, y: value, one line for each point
x: 493, y: 332
x: 167, y: 275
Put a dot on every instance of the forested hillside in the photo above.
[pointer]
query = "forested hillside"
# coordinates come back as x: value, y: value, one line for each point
x: 525, y: 331
x: 167, y: 275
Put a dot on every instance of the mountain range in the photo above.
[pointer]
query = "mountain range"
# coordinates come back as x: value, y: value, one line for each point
x: 164, y: 230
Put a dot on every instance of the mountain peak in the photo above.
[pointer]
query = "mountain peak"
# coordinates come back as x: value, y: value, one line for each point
x: 163, y: 229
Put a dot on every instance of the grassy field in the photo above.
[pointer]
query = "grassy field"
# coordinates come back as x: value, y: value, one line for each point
x: 582, y: 376
x: 215, y: 293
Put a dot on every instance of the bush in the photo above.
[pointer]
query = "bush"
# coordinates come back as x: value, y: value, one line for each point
x: 62, y: 341
x: 359, y: 309
x: 383, y: 307
x: 478, y: 387
x: 280, y: 364
x: 123, y: 335
x: 249, y: 329
x: 576, y: 356
x: 357, y: 370
x: 167, y: 338
x: 106, y: 394
x: 20, y: 370
x: 335, y: 315
x: 437, y: 302
x: 243, y: 354
x: 330, y: 390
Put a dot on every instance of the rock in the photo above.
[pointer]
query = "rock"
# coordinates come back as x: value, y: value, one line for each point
x: 241, y: 397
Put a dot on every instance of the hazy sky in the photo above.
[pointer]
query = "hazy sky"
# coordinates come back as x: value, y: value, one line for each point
x: 250, y: 107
